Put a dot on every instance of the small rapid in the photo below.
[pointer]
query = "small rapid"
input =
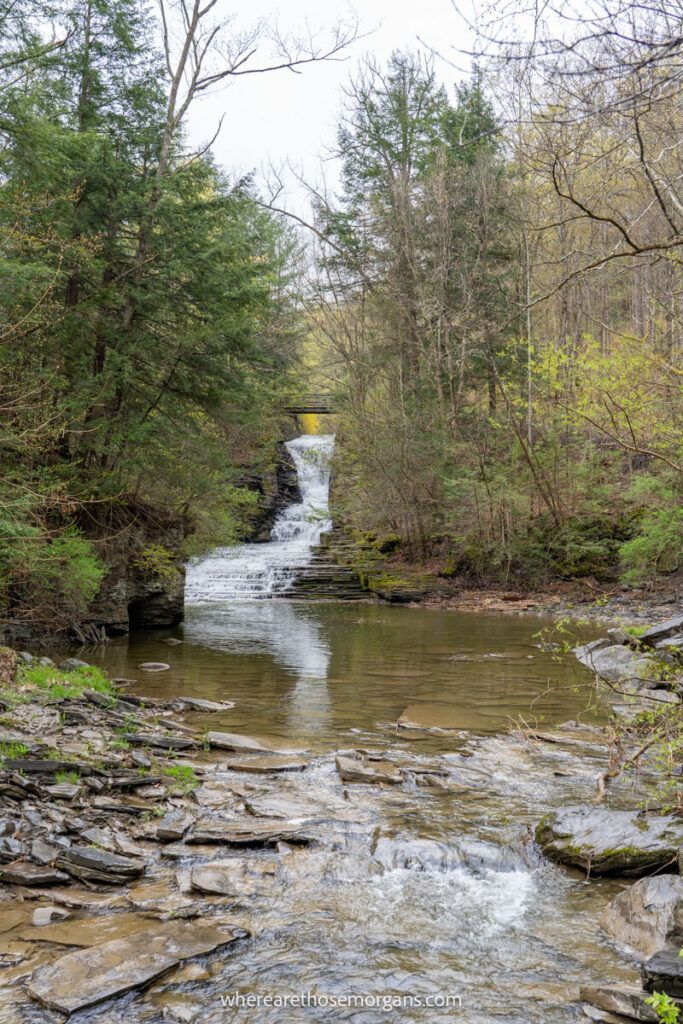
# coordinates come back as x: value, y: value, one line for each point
x: 250, y: 572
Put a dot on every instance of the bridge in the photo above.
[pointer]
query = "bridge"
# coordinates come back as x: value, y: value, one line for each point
x: 317, y: 404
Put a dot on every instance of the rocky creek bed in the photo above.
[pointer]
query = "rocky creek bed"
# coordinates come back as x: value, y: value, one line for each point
x: 150, y: 862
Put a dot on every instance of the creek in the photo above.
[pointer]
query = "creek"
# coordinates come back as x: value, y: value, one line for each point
x: 416, y: 892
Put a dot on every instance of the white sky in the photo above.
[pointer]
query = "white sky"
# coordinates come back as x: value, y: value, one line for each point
x: 283, y: 116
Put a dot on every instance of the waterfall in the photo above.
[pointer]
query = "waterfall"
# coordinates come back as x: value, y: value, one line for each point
x: 250, y: 571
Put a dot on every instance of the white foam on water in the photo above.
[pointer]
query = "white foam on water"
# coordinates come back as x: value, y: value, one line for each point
x: 249, y: 572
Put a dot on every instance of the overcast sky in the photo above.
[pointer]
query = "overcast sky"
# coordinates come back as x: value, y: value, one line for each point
x: 284, y: 116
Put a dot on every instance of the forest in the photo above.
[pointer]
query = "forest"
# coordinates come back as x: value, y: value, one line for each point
x: 492, y: 296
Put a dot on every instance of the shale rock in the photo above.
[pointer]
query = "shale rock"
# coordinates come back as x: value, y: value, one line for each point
x: 663, y: 972
x: 609, y: 842
x: 648, y: 915
x: 90, y: 976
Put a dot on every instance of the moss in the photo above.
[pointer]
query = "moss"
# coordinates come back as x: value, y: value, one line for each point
x: 57, y: 685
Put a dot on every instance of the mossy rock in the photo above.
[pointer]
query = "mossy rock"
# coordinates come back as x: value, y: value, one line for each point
x: 609, y: 842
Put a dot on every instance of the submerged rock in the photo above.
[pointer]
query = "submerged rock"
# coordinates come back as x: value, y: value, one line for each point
x: 626, y: 1000
x: 609, y: 842
x: 377, y: 772
x: 648, y: 915
x: 90, y: 976
x: 154, y: 666
x: 265, y: 765
x: 233, y: 741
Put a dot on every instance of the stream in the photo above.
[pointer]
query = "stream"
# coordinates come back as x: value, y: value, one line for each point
x: 422, y: 902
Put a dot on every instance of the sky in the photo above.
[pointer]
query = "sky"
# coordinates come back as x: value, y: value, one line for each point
x: 281, y: 116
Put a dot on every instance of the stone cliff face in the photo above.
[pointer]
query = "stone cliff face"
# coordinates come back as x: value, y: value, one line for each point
x: 279, y: 488
x: 144, y: 587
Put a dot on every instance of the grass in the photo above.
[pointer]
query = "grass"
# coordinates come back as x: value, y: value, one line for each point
x: 637, y: 630
x: 57, y: 685
x: 67, y: 777
x: 184, y: 777
x: 13, y: 750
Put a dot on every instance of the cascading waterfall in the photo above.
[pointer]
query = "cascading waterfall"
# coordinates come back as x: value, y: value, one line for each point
x: 251, y: 571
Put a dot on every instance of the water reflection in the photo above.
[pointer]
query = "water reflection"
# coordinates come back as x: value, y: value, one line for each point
x: 290, y: 633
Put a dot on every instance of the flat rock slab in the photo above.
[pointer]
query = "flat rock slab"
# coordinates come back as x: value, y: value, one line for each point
x: 22, y: 872
x: 249, y: 832
x: 91, y: 931
x: 240, y: 876
x: 625, y: 1000
x: 665, y: 629
x: 233, y: 741
x: 648, y: 915
x: 608, y: 842
x: 265, y: 765
x: 374, y: 772
x: 90, y: 976
x: 663, y: 972
x: 199, y: 704
x: 99, y: 865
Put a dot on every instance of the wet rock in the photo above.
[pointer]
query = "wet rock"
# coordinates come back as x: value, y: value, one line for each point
x: 140, y: 759
x: 171, y: 641
x: 233, y: 741
x: 43, y: 916
x: 608, y: 842
x: 240, y: 876
x: 179, y: 1009
x: 89, y: 931
x: 99, y: 865
x: 265, y: 765
x: 663, y: 630
x: 374, y: 772
x: 251, y: 832
x: 21, y: 872
x: 112, y: 840
x: 174, y: 825
x: 628, y: 1001
x: 154, y: 666
x: 663, y: 972
x: 648, y: 915
x: 90, y: 976
x: 198, y: 704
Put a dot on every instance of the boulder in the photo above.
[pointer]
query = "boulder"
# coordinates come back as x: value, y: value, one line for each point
x: 609, y: 842
x: 619, y: 664
x: 248, y: 832
x: 626, y: 1000
x: 663, y: 972
x: 89, y: 976
x: 374, y: 772
x: 72, y: 665
x: 648, y: 915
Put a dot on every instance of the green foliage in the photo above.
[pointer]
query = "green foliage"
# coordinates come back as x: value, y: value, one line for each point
x: 183, y: 776
x: 13, y: 750
x: 72, y: 777
x: 157, y: 561
x: 664, y: 1006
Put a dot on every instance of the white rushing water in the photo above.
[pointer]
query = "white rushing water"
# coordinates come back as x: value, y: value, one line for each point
x: 252, y: 571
